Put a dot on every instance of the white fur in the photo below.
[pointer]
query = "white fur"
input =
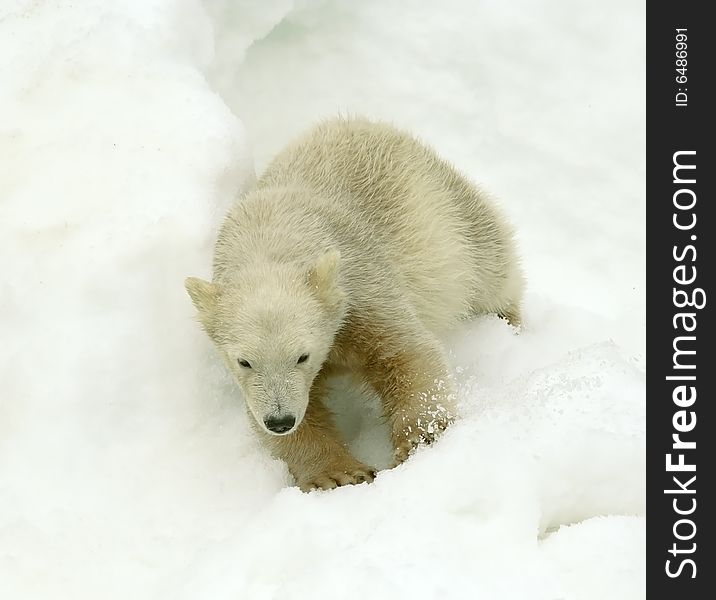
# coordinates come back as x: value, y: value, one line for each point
x: 356, y: 235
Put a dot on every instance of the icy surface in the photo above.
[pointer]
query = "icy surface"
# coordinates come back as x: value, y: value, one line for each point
x: 127, y: 467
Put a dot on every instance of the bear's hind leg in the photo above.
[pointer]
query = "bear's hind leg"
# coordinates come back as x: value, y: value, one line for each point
x: 512, y: 314
x: 314, y: 453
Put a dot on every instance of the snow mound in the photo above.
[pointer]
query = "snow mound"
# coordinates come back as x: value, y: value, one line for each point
x: 476, y: 514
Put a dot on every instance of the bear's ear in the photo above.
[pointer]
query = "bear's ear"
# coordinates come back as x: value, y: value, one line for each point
x: 203, y: 294
x: 324, y: 272
x: 322, y: 278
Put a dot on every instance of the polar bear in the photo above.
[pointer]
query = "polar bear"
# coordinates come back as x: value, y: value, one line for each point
x: 355, y: 250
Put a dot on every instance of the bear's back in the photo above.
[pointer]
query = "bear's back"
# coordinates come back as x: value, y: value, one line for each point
x: 446, y: 246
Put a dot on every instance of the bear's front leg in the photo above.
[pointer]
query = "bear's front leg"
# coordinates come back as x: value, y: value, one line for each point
x: 314, y: 453
x: 415, y: 387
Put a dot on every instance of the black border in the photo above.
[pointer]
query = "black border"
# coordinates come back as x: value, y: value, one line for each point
x: 672, y: 128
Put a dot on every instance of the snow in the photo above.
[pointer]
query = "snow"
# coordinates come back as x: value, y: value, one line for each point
x: 127, y: 466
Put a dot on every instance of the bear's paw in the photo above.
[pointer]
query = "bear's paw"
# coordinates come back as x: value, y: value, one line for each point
x: 334, y: 477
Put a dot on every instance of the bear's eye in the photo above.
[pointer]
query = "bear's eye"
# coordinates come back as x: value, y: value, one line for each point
x: 303, y: 358
x: 245, y: 363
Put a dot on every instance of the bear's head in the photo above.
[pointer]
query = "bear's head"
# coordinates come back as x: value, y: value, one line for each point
x: 274, y: 325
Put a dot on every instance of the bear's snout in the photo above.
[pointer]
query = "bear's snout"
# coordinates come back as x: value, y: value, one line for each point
x: 282, y: 424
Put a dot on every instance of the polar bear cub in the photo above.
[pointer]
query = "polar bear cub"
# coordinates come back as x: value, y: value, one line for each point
x: 356, y: 248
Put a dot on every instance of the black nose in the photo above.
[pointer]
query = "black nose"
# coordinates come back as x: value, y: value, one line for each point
x: 280, y: 424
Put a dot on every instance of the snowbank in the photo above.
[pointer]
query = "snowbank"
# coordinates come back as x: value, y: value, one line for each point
x: 126, y: 463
